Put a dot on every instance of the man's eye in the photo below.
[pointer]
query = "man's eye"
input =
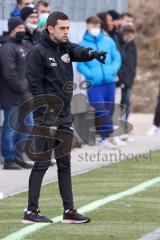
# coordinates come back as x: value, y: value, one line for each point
x: 63, y: 28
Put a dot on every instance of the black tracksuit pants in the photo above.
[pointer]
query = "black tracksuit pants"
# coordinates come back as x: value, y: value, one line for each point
x: 62, y: 156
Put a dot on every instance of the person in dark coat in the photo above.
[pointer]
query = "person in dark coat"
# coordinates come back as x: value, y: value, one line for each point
x: 30, y: 17
x: 50, y: 73
x: 13, y: 91
x: 155, y: 128
x: 157, y: 113
x: 127, y: 72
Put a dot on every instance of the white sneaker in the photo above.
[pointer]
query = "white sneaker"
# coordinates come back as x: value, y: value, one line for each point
x: 107, y: 143
x: 124, y: 137
x: 127, y: 139
x: 98, y: 140
x: 118, y: 142
x: 153, y: 130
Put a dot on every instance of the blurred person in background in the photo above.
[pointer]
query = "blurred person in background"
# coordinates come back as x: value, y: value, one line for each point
x: 102, y: 77
x: 21, y: 4
x: 30, y: 17
x: 127, y: 72
x: 116, y: 34
x: 155, y: 129
x: 121, y: 29
x: 113, y: 23
x: 43, y: 9
x: 106, y: 22
x: 13, y: 91
x: 126, y: 19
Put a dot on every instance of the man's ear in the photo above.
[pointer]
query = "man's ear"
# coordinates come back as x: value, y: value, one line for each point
x: 13, y: 33
x: 50, y: 29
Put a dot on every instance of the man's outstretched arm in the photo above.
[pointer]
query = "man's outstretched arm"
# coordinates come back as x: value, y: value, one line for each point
x: 82, y: 54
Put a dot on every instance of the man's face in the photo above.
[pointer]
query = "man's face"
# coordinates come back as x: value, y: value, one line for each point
x: 91, y: 26
x: 19, y: 28
x: 94, y: 29
x: 116, y: 23
x: 126, y: 20
x: 59, y: 33
x: 42, y: 9
x: 25, y: 3
x: 33, y: 18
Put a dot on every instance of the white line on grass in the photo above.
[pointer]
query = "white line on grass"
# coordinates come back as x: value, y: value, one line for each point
x: 22, y: 233
x: 1, y: 195
x: 151, y: 236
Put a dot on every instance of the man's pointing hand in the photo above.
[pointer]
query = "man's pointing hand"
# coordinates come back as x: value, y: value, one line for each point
x: 99, y: 55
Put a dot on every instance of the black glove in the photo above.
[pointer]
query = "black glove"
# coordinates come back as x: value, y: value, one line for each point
x: 99, y: 55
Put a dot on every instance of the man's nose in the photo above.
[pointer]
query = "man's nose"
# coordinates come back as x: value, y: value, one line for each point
x: 66, y: 31
x: 35, y: 21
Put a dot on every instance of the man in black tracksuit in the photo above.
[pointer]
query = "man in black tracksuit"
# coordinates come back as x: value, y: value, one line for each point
x: 50, y: 75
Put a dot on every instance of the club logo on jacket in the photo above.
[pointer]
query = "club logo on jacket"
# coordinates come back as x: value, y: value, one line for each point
x: 66, y: 58
x: 53, y: 61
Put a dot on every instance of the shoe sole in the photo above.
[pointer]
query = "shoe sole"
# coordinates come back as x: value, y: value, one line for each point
x: 64, y: 221
x: 31, y: 222
x: 75, y: 221
x: 27, y: 222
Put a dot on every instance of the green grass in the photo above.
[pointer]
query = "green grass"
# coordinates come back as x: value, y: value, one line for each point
x: 124, y: 219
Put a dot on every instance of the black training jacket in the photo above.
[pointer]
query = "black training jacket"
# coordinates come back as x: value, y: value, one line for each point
x: 50, y: 71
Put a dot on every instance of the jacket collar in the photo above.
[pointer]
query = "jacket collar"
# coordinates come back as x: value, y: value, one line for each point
x: 46, y: 40
x: 14, y: 40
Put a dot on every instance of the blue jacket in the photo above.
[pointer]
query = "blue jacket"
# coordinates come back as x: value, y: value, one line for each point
x: 95, y: 71
x: 16, y: 12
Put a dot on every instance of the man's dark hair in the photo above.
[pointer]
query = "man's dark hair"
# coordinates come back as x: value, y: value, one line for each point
x: 102, y: 17
x: 114, y: 14
x: 126, y: 14
x: 54, y: 17
x: 44, y: 3
x: 93, y: 20
x: 19, y: 1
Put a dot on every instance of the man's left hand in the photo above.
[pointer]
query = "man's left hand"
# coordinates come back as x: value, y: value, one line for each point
x: 99, y: 55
